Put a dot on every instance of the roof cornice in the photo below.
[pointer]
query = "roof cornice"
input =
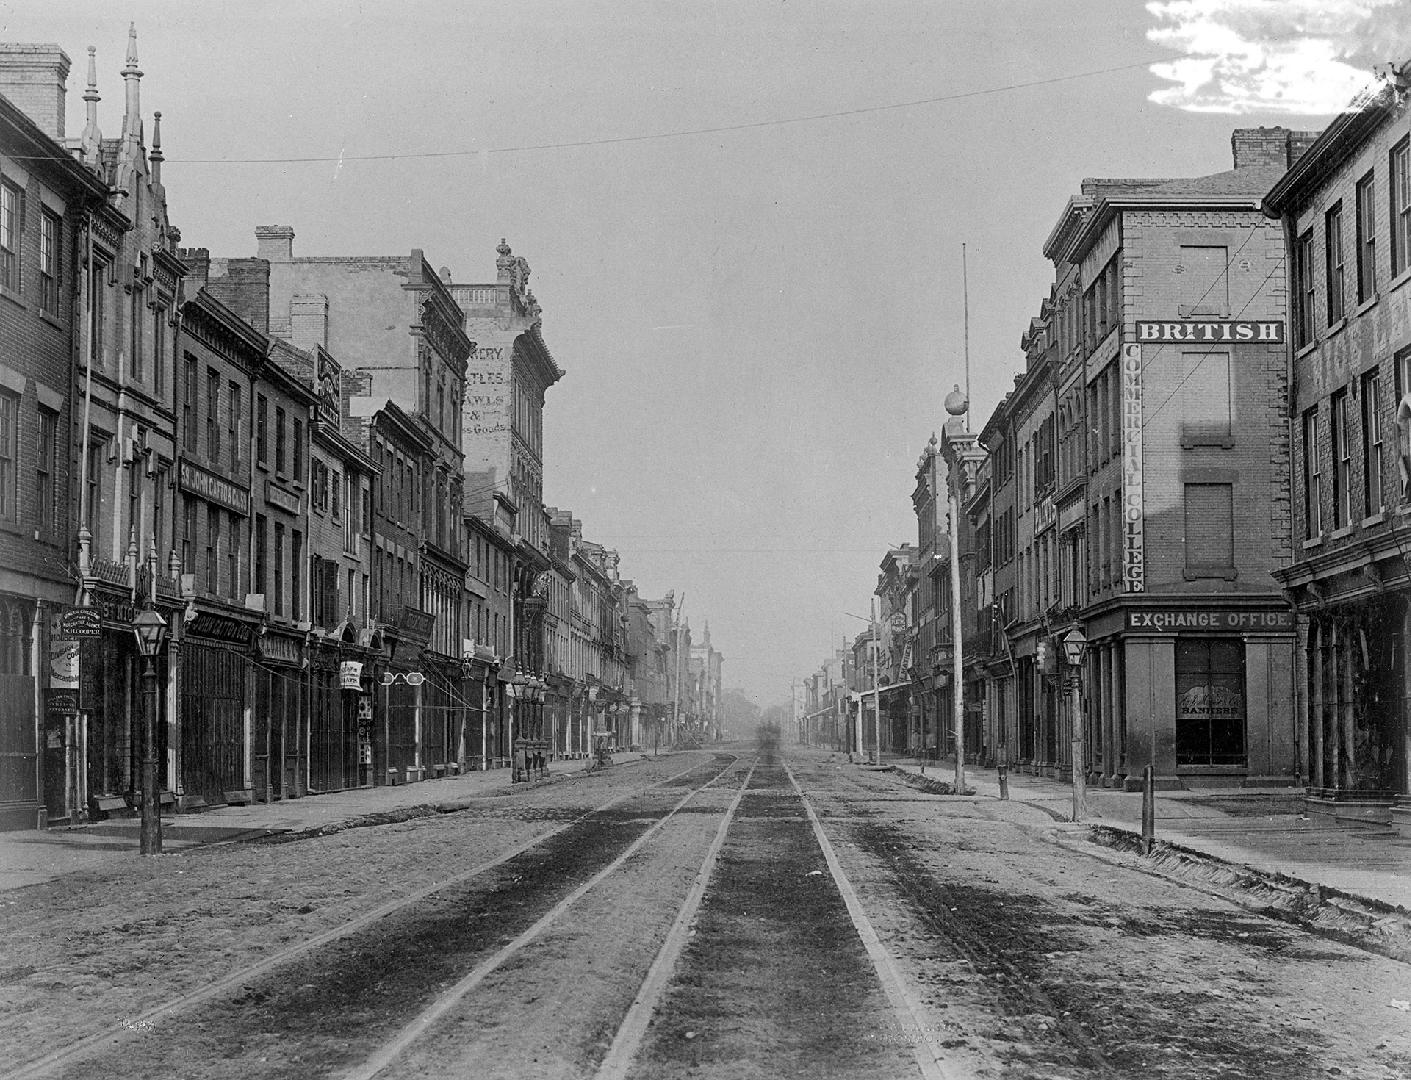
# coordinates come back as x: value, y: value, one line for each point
x: 1338, y: 141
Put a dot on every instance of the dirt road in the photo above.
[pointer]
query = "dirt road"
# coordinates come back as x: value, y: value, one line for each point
x: 717, y: 915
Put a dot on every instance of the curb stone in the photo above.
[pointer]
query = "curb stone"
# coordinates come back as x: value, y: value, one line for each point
x: 1362, y: 922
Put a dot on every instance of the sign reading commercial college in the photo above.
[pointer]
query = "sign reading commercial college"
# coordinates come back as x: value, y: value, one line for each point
x: 1219, y: 620
x: 1133, y: 540
x: 1196, y: 331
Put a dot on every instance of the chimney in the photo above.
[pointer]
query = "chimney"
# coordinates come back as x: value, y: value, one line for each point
x: 243, y: 286
x: 274, y: 242
x: 198, y: 266
x: 34, y: 78
x: 308, y: 321
x: 1275, y: 147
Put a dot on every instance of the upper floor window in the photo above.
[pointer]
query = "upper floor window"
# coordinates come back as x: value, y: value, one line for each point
x: 1312, y: 477
x: 1366, y: 239
x: 237, y: 408
x: 1334, y: 283
x: 297, y: 451
x: 278, y: 439
x: 1373, y: 451
x: 50, y: 229
x: 1342, y: 459
x: 188, y: 404
x: 1204, y: 287
x: 1210, y: 530
x: 9, y: 456
x: 11, y: 235
x: 1400, y: 187
x: 261, y: 429
x: 1304, y: 286
x: 45, y: 508
x: 212, y: 415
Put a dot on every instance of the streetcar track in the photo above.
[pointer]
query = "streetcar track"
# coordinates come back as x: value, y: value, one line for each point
x: 633, y: 1027
x: 423, y: 1022
x: 131, y: 1027
x: 1015, y: 992
x: 929, y: 1056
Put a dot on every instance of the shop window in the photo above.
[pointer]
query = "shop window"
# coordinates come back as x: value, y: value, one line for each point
x: 1210, y: 701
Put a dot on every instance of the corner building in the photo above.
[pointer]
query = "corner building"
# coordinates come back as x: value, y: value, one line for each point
x: 1163, y: 479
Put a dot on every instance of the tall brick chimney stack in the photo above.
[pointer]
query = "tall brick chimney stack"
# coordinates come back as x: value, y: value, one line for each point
x: 35, y: 78
x: 1263, y: 147
x: 274, y: 242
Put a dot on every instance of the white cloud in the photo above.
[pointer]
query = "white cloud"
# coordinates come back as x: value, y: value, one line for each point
x: 1307, y: 57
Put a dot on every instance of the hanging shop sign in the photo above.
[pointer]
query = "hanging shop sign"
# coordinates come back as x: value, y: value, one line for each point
x: 350, y: 675
x: 1133, y: 542
x: 1216, y: 332
x: 79, y: 623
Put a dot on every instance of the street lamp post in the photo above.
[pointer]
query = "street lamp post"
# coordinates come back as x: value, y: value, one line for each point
x: 590, y: 717
x: 149, y: 629
x: 1075, y: 645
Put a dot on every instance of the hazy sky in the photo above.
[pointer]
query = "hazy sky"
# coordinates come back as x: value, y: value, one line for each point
x: 750, y: 261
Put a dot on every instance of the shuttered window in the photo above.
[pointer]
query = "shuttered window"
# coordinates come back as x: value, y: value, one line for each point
x: 1210, y: 526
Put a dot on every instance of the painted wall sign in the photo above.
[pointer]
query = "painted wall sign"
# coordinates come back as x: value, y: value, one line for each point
x: 1201, y: 331
x: 281, y: 498
x: 1133, y: 542
x: 213, y: 488
x: 1174, y: 620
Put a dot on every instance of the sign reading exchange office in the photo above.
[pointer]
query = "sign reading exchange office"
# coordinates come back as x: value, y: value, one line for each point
x: 1200, y: 331
x: 1175, y: 620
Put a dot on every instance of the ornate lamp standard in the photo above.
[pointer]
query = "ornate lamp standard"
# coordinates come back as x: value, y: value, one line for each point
x: 150, y: 629
x: 590, y: 716
x: 517, y: 688
x: 1075, y: 645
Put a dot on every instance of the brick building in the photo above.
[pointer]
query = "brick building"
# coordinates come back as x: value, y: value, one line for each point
x: 1345, y: 207
x: 392, y: 323
x: 509, y: 372
x: 1152, y: 483
x: 45, y: 199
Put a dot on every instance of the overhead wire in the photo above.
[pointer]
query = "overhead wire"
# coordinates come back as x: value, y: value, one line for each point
x: 716, y: 129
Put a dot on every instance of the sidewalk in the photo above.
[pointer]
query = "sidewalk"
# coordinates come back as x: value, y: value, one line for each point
x: 30, y: 857
x: 1264, y: 829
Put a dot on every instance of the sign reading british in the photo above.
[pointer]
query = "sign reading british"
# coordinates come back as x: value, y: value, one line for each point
x: 1218, y: 332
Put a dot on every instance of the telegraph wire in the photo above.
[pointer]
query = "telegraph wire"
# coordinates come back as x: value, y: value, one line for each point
x: 718, y: 129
